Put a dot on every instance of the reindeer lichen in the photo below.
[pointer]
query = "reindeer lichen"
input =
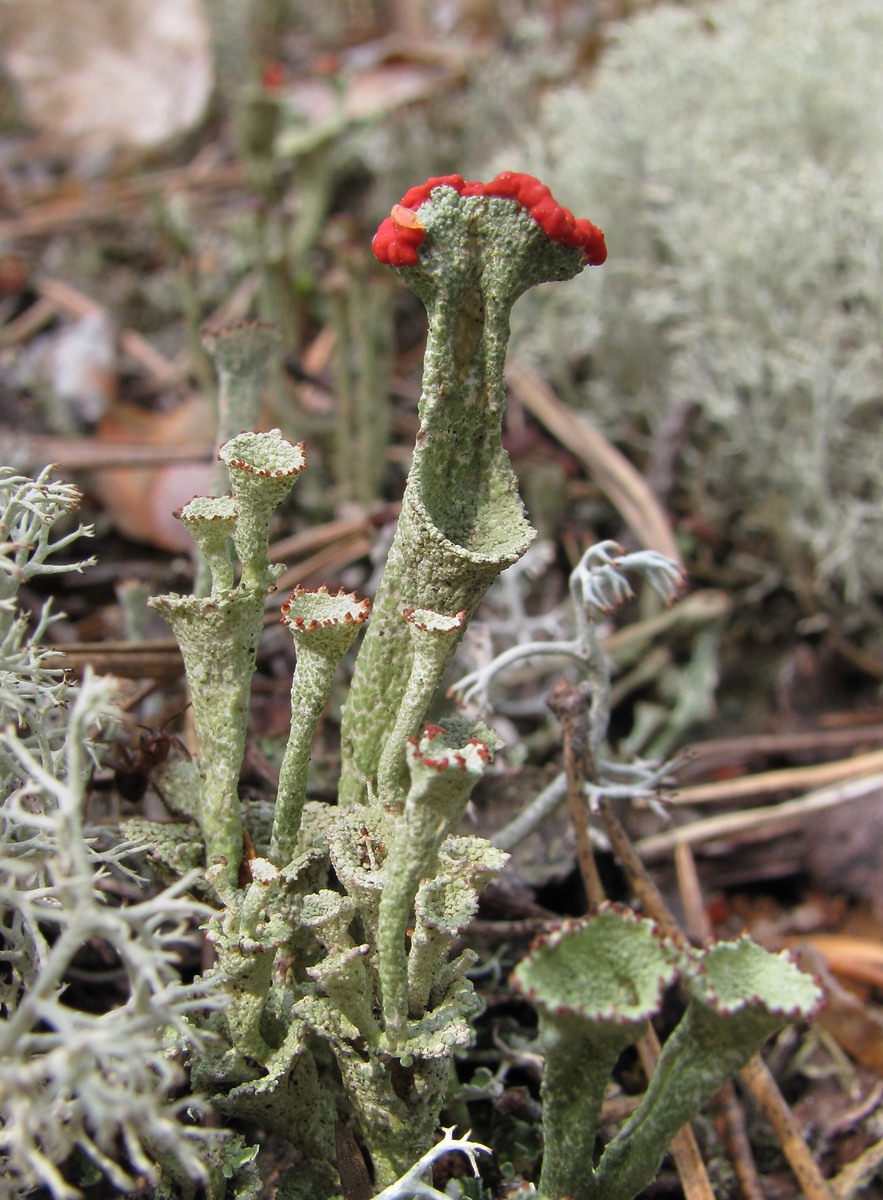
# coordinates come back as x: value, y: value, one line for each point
x: 100, y: 1088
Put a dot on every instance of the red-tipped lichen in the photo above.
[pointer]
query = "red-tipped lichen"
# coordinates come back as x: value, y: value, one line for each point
x: 322, y: 609
x: 398, y: 240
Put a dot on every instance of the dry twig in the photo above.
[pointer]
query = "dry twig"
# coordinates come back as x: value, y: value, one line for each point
x: 611, y: 470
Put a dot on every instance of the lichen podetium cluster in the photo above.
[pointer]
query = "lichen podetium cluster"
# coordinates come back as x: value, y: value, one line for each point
x: 334, y: 926
x: 336, y: 923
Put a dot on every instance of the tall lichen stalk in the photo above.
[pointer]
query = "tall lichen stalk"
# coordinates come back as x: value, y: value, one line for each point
x: 462, y: 520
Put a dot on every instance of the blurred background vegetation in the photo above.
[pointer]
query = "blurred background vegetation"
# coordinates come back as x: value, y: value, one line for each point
x: 164, y: 167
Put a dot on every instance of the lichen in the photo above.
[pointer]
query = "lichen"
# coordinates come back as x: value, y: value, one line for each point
x: 735, y: 152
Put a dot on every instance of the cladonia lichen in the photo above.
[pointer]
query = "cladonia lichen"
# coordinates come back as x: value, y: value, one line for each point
x: 335, y: 986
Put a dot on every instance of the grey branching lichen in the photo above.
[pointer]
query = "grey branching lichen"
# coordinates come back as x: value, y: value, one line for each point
x: 736, y: 151
x: 81, y: 1094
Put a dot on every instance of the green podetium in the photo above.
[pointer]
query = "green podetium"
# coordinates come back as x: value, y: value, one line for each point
x: 338, y: 923
x: 324, y: 625
x: 242, y: 353
x: 595, y: 983
x: 219, y: 634
x: 468, y: 250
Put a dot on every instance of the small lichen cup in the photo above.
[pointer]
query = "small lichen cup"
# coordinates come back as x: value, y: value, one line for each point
x: 595, y: 983
x: 263, y: 468
x: 211, y: 522
x: 323, y: 625
x: 739, y: 995
x: 219, y: 634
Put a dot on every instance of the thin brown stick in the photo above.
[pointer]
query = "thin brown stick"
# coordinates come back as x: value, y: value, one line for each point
x: 638, y: 876
x: 87, y: 454
x: 723, y: 752
x: 569, y: 702
x: 756, y: 824
x: 29, y: 323
x: 856, y: 1175
x: 730, y: 1114
x: 757, y: 1078
x: 785, y: 780
x: 315, y: 538
x: 731, y: 1121
x: 326, y: 563
x: 75, y: 303
x: 611, y: 470
x: 696, y: 922
x: 157, y: 659
x: 114, y: 198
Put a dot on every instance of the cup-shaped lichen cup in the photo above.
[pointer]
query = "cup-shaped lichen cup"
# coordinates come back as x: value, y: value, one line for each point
x: 595, y: 983
x: 324, y: 625
x: 263, y: 468
x: 739, y: 994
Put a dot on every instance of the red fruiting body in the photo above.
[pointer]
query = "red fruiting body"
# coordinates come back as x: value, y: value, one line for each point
x: 436, y: 764
x: 400, y: 236
x: 273, y: 75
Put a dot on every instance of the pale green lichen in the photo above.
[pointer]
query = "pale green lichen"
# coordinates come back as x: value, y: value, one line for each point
x: 443, y: 769
x: 390, y: 1008
x: 739, y: 994
x: 263, y: 468
x: 432, y: 635
x: 323, y: 625
x: 242, y: 353
x: 336, y: 924
x: 219, y: 644
x: 595, y: 984
x: 219, y: 634
x: 211, y: 521
x: 462, y: 520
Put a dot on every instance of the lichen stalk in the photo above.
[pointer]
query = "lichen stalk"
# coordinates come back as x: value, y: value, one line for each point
x: 442, y: 777
x: 443, y: 907
x: 324, y: 626
x: 576, y: 1073
x: 399, y: 1119
x: 219, y: 641
x: 595, y: 983
x: 242, y: 353
x: 211, y: 521
x: 471, y: 254
x: 740, y: 995
x: 263, y: 468
x: 344, y: 980
x: 247, y: 935
x: 432, y: 634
